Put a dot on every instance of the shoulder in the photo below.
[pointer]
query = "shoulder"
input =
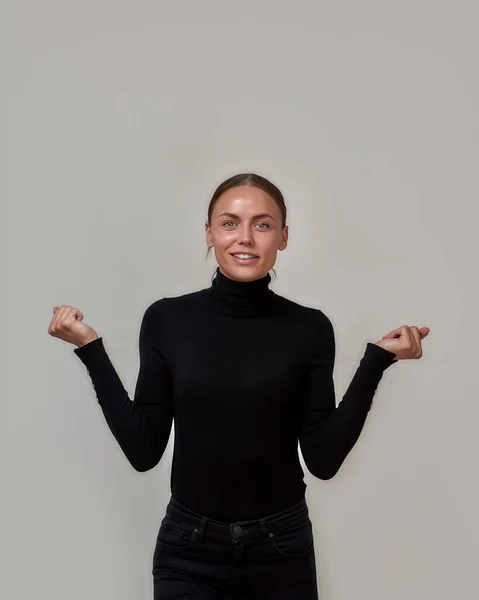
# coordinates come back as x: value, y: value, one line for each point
x: 161, y: 314
x: 311, y: 326
x: 170, y: 305
x: 314, y: 317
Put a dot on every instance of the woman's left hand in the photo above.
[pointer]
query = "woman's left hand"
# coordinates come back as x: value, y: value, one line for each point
x: 404, y: 341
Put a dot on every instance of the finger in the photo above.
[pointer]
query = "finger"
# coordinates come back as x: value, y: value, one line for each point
x: 407, y: 337
x: 393, y: 334
x: 424, y: 331
x: 53, y: 322
x: 70, y: 316
x: 55, y: 315
x: 60, y: 314
x: 414, y: 341
x: 417, y: 338
x: 75, y: 315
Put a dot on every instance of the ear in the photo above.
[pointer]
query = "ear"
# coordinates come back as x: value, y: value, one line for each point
x: 209, y: 240
x: 284, y: 241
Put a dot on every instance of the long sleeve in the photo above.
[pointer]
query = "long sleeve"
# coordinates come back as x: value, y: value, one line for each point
x: 328, y: 433
x: 141, y: 427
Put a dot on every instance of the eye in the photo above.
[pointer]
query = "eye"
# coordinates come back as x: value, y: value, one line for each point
x: 263, y: 223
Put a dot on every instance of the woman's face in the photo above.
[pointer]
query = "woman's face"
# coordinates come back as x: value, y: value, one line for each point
x: 246, y: 220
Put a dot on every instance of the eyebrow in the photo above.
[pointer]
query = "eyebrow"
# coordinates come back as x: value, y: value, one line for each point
x: 233, y: 216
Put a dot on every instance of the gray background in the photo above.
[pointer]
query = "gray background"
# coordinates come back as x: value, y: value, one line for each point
x: 119, y: 120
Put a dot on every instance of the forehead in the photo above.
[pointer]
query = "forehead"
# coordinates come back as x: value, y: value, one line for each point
x: 246, y: 199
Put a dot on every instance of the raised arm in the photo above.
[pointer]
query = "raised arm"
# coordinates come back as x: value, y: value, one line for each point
x: 141, y: 427
x: 328, y: 433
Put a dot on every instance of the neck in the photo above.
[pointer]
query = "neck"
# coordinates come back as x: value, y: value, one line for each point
x: 241, y: 297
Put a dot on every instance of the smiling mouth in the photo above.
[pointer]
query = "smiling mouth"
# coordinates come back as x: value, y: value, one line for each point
x: 245, y: 260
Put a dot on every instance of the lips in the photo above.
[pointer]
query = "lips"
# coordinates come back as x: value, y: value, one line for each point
x: 245, y: 260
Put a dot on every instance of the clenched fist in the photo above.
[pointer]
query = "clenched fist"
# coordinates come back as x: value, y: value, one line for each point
x: 67, y: 325
x: 404, y: 342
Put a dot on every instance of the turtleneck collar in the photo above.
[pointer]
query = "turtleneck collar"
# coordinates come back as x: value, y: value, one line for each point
x: 241, y: 297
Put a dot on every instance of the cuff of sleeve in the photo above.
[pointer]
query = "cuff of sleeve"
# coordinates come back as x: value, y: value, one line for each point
x: 89, y: 352
x: 379, y: 356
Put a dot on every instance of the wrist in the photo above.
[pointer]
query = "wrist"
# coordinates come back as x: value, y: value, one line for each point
x: 86, y: 341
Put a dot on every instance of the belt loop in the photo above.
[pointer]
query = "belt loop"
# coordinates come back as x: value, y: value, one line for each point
x: 263, y: 526
x: 200, y: 530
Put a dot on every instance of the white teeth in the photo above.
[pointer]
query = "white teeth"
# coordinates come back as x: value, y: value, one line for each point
x: 244, y: 256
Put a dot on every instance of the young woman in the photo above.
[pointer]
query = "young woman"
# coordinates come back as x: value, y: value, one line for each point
x: 245, y: 374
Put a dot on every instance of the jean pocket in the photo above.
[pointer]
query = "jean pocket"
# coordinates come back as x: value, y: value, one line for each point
x: 296, y: 540
x: 173, y: 535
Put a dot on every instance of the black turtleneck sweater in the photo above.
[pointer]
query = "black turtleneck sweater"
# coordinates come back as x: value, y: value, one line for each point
x: 244, y: 374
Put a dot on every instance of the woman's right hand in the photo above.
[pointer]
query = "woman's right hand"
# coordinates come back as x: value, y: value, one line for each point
x: 67, y: 325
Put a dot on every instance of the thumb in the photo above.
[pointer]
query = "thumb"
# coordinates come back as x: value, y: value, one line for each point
x: 393, y: 334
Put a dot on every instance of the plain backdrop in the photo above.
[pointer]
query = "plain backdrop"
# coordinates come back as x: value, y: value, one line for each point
x: 119, y: 119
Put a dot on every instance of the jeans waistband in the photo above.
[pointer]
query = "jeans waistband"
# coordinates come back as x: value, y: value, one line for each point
x: 269, y: 524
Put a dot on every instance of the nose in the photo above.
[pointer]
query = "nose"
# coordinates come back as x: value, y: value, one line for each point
x: 244, y: 235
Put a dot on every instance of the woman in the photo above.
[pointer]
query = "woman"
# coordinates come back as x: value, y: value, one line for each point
x: 244, y: 374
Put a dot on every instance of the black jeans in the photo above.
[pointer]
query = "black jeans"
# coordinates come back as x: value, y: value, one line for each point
x: 197, y: 558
